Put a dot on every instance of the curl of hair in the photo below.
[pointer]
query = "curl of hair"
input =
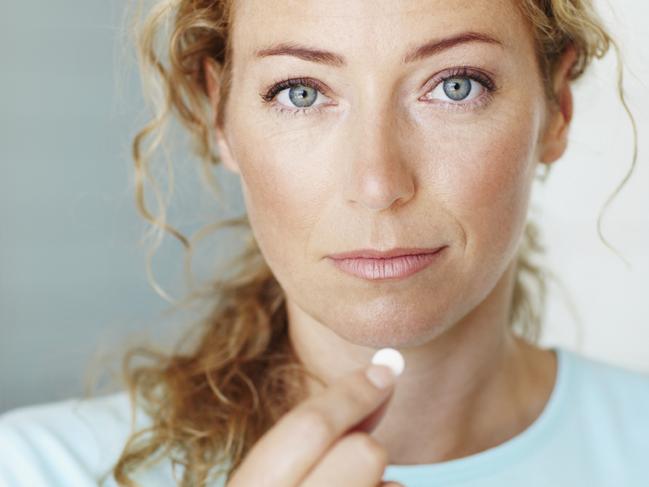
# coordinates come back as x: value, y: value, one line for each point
x: 210, y: 403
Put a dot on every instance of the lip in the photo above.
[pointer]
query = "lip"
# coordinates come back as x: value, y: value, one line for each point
x: 379, y: 254
x: 391, y: 268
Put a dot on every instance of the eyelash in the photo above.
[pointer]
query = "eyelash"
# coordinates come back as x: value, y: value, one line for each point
x: 289, y: 83
x: 458, y: 72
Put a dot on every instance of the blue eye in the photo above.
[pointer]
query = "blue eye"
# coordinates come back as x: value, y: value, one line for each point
x: 296, y: 95
x: 302, y: 96
x: 461, y: 85
x: 457, y: 88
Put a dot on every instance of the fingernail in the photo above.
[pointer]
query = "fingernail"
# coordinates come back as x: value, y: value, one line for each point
x: 380, y: 375
x: 387, y: 365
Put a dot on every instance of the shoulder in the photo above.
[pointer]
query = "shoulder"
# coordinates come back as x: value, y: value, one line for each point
x: 612, y: 398
x: 72, y: 442
x: 618, y: 383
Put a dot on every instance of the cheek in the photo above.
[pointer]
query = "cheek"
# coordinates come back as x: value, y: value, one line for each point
x: 284, y: 196
x: 484, y: 180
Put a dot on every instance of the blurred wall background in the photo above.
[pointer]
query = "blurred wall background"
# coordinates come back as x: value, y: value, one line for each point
x: 73, y: 283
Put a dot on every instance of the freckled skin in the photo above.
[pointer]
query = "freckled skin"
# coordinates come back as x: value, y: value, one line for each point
x: 381, y: 168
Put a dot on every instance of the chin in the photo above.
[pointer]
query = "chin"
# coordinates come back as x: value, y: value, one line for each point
x: 404, y: 331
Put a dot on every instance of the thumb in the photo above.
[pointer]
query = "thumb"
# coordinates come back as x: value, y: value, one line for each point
x: 370, y: 421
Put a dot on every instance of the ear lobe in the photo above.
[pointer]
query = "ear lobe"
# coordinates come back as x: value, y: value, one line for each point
x: 561, y: 112
x: 212, y: 78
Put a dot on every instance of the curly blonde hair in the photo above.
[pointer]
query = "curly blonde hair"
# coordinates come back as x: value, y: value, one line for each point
x: 210, y: 401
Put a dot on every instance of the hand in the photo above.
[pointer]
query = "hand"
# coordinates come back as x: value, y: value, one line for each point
x: 324, y: 441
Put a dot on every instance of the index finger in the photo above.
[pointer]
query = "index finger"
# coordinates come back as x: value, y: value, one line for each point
x: 287, y: 452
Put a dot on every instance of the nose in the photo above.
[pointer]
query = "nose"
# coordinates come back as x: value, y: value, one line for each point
x: 378, y: 175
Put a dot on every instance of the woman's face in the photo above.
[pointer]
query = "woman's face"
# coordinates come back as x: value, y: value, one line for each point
x: 377, y: 151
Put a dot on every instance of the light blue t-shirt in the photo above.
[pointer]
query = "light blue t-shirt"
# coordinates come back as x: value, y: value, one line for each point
x: 593, y: 431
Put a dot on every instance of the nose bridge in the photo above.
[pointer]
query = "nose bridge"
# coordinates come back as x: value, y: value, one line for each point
x: 378, y: 173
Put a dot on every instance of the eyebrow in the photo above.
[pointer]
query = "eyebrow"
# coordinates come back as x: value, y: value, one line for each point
x: 428, y: 49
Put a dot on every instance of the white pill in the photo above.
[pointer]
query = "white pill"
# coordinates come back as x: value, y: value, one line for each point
x: 390, y: 357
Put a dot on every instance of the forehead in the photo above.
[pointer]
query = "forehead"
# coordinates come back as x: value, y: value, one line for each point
x: 365, y: 29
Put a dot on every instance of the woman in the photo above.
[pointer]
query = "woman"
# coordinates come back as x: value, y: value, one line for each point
x: 410, y: 127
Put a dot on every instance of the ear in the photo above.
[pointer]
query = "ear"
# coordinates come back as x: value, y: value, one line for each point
x: 555, y: 139
x: 213, y: 78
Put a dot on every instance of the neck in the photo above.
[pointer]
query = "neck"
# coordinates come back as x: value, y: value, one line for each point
x: 470, y: 388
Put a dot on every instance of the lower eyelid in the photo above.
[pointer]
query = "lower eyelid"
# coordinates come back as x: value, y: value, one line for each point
x: 284, y: 110
x: 477, y: 103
